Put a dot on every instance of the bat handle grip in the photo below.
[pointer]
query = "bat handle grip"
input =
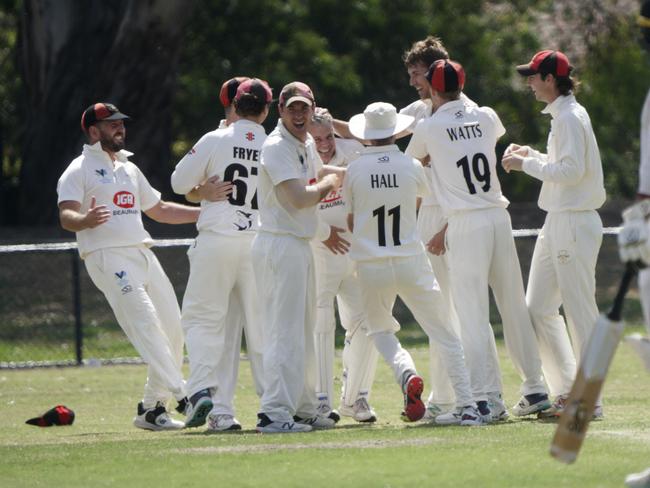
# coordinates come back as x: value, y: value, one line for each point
x: 617, y: 307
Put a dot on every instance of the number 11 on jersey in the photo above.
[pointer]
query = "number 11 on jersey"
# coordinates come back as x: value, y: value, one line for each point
x: 380, y: 213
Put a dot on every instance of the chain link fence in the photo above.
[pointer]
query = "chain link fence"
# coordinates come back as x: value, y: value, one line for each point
x: 51, y: 314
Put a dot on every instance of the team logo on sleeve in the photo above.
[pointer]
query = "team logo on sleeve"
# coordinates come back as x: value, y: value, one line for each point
x: 124, y: 199
x: 191, y: 151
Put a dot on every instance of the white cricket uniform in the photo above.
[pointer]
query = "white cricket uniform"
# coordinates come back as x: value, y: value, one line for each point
x: 120, y: 263
x: 644, y: 189
x: 284, y: 272
x: 336, y: 278
x: 381, y: 189
x: 461, y: 139
x: 563, y: 267
x: 221, y: 272
x: 431, y: 219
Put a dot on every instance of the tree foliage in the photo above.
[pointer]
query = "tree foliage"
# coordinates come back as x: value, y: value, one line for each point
x: 164, y: 63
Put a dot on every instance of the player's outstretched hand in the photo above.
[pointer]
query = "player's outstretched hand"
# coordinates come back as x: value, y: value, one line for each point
x: 335, y: 242
x: 633, y: 245
x: 332, y: 180
x: 96, y: 215
x: 215, y: 190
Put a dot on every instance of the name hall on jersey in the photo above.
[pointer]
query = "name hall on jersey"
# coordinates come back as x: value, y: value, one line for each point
x: 383, y: 181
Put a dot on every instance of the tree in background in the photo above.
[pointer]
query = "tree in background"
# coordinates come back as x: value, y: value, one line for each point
x: 163, y: 62
x: 76, y: 53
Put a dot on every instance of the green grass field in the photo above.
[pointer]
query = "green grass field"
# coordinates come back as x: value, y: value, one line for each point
x: 102, y: 448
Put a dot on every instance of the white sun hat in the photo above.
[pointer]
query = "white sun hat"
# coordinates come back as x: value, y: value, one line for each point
x: 378, y: 121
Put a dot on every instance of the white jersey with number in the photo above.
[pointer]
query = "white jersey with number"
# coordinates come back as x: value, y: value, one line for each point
x: 461, y: 140
x: 332, y: 209
x: 381, y: 189
x: 286, y: 158
x: 233, y: 154
x: 120, y: 185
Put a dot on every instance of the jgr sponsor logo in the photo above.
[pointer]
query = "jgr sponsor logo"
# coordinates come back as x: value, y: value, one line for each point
x: 124, y: 199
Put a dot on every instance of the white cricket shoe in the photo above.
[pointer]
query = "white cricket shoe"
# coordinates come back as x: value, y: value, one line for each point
x: 222, y: 422
x: 435, y: 409
x: 155, y: 418
x: 555, y: 410
x: 638, y: 480
x: 361, y: 411
x: 498, y: 409
x: 531, y: 404
x: 317, y: 422
x: 326, y: 411
x: 466, y: 416
x: 267, y: 426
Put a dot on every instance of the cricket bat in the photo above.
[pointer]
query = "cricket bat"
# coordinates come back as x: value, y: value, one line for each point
x: 578, y: 412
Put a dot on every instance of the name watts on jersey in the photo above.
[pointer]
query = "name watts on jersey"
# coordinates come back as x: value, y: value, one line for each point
x: 464, y: 132
x: 384, y: 181
x: 245, y: 153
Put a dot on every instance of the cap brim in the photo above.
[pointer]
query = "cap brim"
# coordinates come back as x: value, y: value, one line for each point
x: 525, y: 70
x: 116, y: 116
x: 298, y: 98
x: 358, y: 129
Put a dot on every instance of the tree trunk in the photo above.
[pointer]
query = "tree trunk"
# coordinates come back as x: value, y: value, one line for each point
x: 78, y: 53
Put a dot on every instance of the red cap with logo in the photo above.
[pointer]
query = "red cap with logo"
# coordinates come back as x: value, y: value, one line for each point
x: 229, y: 90
x: 98, y: 112
x: 446, y: 76
x: 546, y: 62
x: 258, y: 89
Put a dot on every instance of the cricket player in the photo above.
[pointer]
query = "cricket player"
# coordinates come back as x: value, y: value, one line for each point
x: 431, y: 220
x: 417, y: 61
x: 292, y: 180
x: 633, y: 240
x: 336, y: 278
x: 220, y: 260
x: 563, y: 267
x: 381, y: 188
x: 101, y: 195
x: 460, y: 139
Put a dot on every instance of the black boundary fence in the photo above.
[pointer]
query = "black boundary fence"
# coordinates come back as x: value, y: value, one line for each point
x: 52, y: 315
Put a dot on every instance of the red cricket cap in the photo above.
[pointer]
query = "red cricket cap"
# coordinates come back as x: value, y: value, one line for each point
x: 547, y: 62
x: 98, y: 112
x: 446, y: 76
x: 229, y: 90
x: 259, y: 89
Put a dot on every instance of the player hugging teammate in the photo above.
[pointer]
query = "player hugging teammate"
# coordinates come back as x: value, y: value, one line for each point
x: 290, y: 222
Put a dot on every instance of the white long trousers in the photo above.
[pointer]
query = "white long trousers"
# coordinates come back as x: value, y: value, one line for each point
x: 284, y: 272
x: 145, y: 306
x: 430, y: 221
x: 413, y: 280
x: 563, y: 272
x: 482, y: 254
x: 220, y: 293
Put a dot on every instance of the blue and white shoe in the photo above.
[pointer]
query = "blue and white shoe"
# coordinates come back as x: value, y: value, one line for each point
x: 531, y: 404
x: 267, y: 426
x: 198, y: 408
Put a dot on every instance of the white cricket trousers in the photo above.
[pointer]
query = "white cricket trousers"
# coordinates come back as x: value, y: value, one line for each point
x: 413, y: 280
x: 430, y: 221
x: 220, y: 292
x: 336, y: 279
x: 482, y: 254
x: 145, y: 306
x: 284, y: 273
x: 563, y: 272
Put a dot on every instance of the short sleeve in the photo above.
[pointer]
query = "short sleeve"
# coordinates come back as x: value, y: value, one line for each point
x: 149, y: 197
x: 279, y: 161
x: 70, y: 186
